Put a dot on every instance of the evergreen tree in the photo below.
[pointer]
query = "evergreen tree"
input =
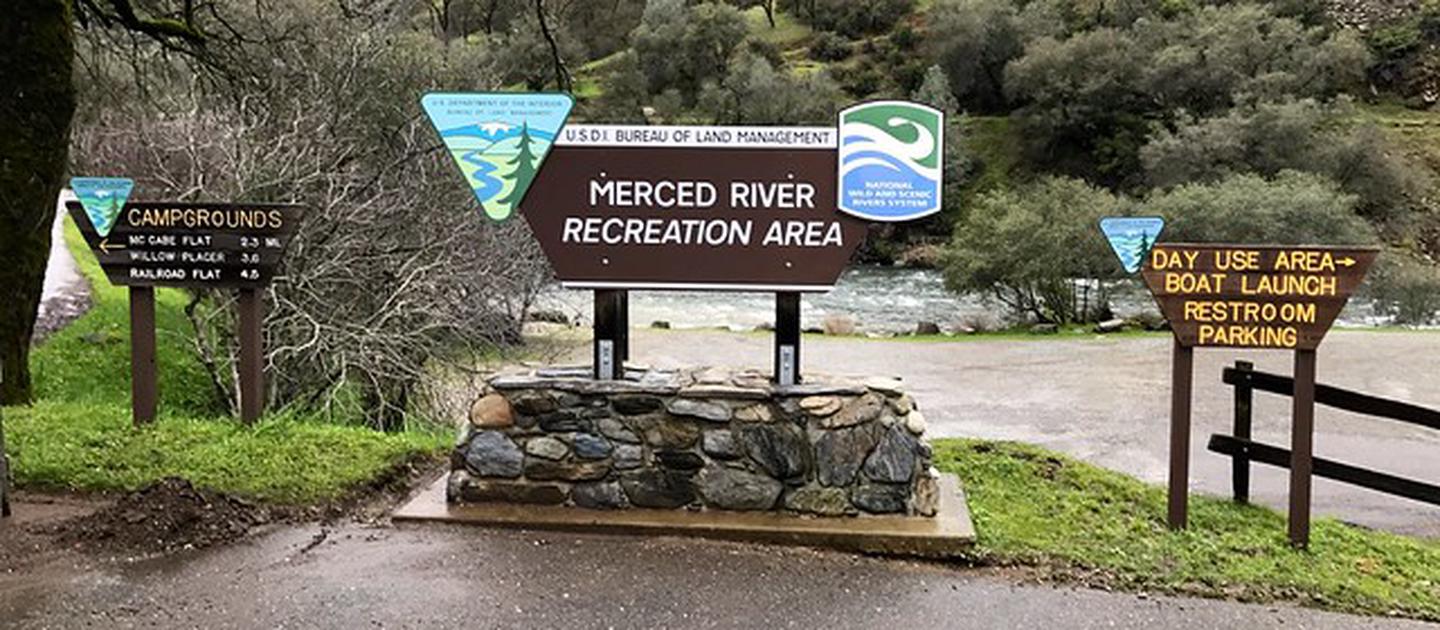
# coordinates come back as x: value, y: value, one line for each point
x: 522, y: 173
x: 1143, y: 249
x: 935, y: 91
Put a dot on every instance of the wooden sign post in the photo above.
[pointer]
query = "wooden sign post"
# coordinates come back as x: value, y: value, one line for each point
x: 1251, y: 296
x: 193, y: 246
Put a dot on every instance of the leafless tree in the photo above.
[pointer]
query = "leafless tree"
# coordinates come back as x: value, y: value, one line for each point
x: 393, y: 271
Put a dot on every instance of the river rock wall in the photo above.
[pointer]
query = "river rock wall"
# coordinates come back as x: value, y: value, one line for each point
x: 695, y: 439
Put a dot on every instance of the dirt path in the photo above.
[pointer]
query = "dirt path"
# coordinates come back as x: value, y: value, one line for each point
x: 1106, y: 400
x: 66, y: 294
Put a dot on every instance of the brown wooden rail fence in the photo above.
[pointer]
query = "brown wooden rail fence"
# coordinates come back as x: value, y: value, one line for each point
x: 1242, y: 450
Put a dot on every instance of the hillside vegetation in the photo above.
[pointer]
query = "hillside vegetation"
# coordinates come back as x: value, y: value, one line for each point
x: 1291, y: 117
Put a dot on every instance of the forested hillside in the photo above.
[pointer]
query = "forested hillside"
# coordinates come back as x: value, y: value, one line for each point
x: 1273, y: 121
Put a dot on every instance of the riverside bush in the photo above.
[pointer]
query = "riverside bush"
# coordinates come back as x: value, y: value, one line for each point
x: 1036, y: 250
x: 1406, y: 288
x: 1292, y: 208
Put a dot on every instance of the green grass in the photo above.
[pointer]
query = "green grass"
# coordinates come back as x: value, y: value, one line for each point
x: 78, y: 436
x: 787, y: 34
x: 1035, y: 507
x: 993, y: 141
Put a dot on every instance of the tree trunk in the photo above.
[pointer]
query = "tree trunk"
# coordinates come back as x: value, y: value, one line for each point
x: 36, y: 55
x: 562, y: 74
x: 4, y: 473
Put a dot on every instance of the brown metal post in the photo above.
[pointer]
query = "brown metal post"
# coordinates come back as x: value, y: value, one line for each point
x: 609, y: 360
x: 144, y: 385
x: 622, y: 329
x: 1240, y: 464
x: 252, y: 371
x: 787, y: 338
x: 1181, y: 377
x: 1302, y: 442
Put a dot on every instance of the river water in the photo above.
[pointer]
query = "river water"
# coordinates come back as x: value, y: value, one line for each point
x: 879, y: 300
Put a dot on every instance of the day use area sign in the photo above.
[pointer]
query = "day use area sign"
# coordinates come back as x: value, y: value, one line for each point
x: 1282, y: 297
x: 691, y: 207
x: 1246, y: 296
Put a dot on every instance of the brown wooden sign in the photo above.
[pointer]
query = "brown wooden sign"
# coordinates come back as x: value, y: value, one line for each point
x: 1253, y: 296
x: 743, y: 208
x: 192, y: 245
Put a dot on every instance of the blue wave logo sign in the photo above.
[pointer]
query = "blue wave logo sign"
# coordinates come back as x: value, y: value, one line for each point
x: 103, y: 198
x: 890, y: 160
x: 1131, y: 238
x: 498, y: 140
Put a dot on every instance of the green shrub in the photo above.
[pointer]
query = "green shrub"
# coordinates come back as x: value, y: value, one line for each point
x: 1406, y: 288
x: 856, y: 18
x: 935, y: 91
x: 904, y: 37
x: 1300, y: 135
x: 829, y: 46
x: 1037, y: 251
x: 680, y: 47
x: 973, y: 40
x: 755, y: 92
x: 1292, y: 208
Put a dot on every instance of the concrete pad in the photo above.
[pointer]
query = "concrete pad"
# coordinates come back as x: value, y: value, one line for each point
x: 948, y: 534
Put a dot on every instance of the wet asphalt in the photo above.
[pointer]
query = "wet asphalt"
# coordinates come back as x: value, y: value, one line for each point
x: 437, y: 576
x: 1107, y: 400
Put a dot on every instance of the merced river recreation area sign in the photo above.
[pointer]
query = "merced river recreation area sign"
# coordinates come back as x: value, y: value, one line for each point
x: 682, y: 207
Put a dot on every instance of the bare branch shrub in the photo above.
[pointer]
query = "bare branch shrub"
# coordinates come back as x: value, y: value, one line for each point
x: 393, y: 269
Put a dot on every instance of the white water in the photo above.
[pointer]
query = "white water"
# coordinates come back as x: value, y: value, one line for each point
x: 883, y: 300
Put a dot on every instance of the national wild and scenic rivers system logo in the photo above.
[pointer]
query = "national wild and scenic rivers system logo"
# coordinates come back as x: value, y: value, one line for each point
x: 890, y: 160
x: 498, y: 140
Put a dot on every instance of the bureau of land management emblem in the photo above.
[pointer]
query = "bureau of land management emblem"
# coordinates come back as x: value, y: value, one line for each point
x: 890, y: 160
x: 499, y: 141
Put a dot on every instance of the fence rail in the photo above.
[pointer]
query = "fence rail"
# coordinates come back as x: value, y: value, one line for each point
x: 1242, y: 450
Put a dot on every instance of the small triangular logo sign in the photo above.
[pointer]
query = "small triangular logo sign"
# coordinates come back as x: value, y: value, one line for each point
x: 1131, y: 238
x: 103, y: 198
x: 499, y: 141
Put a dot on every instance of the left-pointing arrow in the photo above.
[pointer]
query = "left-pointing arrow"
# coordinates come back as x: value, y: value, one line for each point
x: 106, y: 246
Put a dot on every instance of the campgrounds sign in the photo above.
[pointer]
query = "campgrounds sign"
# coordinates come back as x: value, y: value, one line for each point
x: 190, y: 244
x: 193, y: 245
x: 741, y: 208
x: 1248, y: 296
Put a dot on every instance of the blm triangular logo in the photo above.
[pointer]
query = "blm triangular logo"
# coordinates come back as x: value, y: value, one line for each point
x: 102, y: 198
x: 499, y: 141
x: 1132, y: 238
